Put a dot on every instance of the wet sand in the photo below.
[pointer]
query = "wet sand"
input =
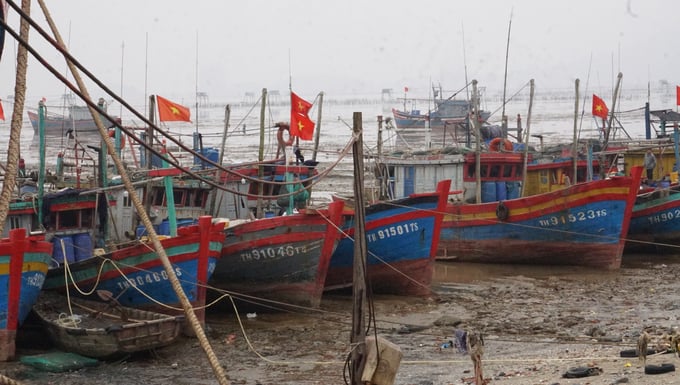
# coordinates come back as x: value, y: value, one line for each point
x: 537, y: 322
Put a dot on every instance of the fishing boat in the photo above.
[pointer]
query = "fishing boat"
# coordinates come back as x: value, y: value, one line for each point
x: 103, y: 330
x: 133, y: 273
x: 24, y: 261
x: 402, y: 237
x: 77, y: 120
x: 280, y: 259
x: 584, y: 224
x: 447, y: 113
x: 578, y: 224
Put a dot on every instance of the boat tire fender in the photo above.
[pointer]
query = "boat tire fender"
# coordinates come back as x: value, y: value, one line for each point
x: 502, y: 211
x: 500, y: 144
x: 279, y: 135
x: 659, y: 369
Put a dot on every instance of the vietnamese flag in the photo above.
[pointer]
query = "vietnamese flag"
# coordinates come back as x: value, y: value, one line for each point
x: 300, y: 123
x: 299, y: 105
x: 677, y: 95
x: 2, y: 113
x: 599, y: 107
x: 301, y: 126
x: 172, y: 112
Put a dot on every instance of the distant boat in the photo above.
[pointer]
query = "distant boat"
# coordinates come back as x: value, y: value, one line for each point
x: 281, y: 259
x: 77, y: 120
x: 402, y: 237
x: 447, y: 113
x: 23, y: 264
x: 103, y: 330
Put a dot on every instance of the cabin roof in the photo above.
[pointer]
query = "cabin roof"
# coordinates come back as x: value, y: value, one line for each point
x: 667, y: 115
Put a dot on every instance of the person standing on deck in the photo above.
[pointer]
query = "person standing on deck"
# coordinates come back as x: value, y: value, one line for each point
x: 650, y: 164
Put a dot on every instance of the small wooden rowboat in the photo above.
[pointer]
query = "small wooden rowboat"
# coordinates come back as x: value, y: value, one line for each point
x: 103, y: 329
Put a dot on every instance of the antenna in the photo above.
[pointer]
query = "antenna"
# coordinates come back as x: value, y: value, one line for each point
x: 505, y: 78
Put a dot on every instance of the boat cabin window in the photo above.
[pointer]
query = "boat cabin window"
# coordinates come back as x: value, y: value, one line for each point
x: 496, y: 171
x: 71, y: 219
x: 14, y: 222
x: 182, y: 197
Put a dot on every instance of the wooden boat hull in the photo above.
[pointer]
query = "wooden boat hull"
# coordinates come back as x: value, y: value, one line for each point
x: 402, y: 238
x: 283, y: 259
x: 23, y: 265
x: 655, y: 223
x: 584, y: 224
x: 434, y: 121
x: 136, y: 276
x: 59, y: 125
x: 101, y: 330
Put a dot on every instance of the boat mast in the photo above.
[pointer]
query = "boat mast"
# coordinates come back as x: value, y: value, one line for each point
x: 574, y: 149
x: 504, y: 119
x: 478, y: 146
x: 526, y: 140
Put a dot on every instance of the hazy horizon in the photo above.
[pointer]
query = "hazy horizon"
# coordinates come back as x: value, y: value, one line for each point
x: 230, y: 50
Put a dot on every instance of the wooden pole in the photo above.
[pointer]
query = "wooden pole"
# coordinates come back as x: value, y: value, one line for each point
x: 260, y: 170
x: 574, y: 149
x: 478, y: 145
x: 162, y: 255
x: 359, y: 308
x: 317, y: 134
x: 526, y: 140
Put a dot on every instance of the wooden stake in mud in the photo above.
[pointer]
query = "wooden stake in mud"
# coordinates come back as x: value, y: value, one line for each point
x: 186, y: 305
x: 475, y: 345
x: 358, y: 340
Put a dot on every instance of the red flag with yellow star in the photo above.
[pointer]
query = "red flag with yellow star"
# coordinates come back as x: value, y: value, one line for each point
x: 599, y: 108
x: 300, y: 123
x: 172, y: 112
x: 301, y: 126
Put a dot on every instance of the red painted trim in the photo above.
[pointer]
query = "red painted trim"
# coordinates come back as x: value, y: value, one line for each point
x: 636, y: 175
x: 16, y: 264
x: 204, y: 225
x: 73, y: 205
x: 333, y: 234
x: 173, y: 171
x: 443, y: 188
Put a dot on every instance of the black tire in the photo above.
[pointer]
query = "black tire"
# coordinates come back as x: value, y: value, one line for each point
x: 658, y: 369
x: 502, y: 211
x: 578, y: 372
x: 633, y: 352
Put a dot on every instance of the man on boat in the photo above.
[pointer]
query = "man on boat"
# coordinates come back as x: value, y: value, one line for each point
x: 650, y: 164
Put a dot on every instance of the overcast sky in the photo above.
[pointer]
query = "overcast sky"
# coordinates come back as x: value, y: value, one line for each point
x: 351, y: 47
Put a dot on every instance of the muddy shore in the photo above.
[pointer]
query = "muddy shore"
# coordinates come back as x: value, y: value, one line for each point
x: 537, y: 324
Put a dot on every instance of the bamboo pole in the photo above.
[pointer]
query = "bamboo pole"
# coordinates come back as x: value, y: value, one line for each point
x: 186, y: 305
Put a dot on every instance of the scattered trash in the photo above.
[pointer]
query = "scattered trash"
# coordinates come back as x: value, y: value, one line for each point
x: 230, y: 339
x: 251, y: 315
x: 461, y: 341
